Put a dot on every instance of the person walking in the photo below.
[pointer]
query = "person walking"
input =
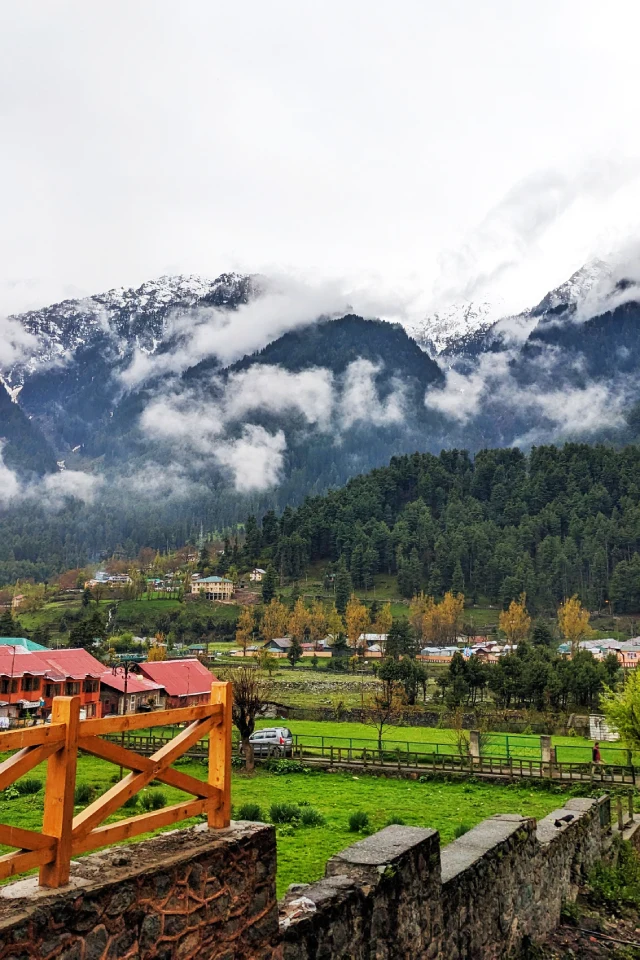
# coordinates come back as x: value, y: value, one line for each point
x: 596, y: 758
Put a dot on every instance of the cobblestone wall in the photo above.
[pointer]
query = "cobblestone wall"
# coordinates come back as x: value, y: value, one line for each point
x: 187, y: 894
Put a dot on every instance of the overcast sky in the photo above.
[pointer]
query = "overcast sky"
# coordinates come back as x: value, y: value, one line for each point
x: 433, y: 149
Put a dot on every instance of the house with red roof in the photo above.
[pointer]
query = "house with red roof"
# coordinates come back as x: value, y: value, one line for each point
x: 135, y: 694
x: 29, y: 680
x: 186, y: 682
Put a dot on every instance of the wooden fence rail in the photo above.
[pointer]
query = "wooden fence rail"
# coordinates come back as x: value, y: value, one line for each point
x: 64, y: 836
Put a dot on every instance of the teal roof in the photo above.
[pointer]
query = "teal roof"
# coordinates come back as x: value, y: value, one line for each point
x: 21, y: 642
x: 213, y: 580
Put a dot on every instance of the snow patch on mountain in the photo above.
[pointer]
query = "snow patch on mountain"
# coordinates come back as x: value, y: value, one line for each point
x: 455, y: 323
x: 124, y: 318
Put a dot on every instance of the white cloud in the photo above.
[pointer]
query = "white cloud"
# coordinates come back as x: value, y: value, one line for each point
x: 360, y: 400
x: 50, y: 491
x: 463, y: 393
x: 274, y: 389
x: 16, y: 343
x: 9, y: 483
x: 255, y: 460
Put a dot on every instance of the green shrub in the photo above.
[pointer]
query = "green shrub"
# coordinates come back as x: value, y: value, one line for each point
x: 617, y: 885
x: 237, y: 761
x: 285, y: 765
x: 131, y: 802
x: 358, y: 821
x: 310, y: 817
x: 570, y: 912
x: 249, y: 811
x: 28, y: 785
x: 284, y: 812
x: 395, y: 821
x: 153, y: 800
x: 461, y: 829
x: 83, y: 794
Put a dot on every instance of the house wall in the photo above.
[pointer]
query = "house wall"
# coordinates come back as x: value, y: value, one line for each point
x: 188, y: 700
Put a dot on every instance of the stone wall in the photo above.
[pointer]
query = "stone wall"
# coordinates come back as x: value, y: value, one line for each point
x: 210, y: 895
x: 396, y: 895
x: 185, y: 894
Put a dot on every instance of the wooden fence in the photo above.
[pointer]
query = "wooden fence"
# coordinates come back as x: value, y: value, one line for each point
x: 64, y: 836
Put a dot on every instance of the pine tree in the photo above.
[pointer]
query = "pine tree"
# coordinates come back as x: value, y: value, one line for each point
x: 7, y: 626
x: 343, y: 587
x: 269, y: 584
x: 294, y: 653
x: 457, y: 580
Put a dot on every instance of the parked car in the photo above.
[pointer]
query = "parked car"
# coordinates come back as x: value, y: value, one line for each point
x: 271, y: 742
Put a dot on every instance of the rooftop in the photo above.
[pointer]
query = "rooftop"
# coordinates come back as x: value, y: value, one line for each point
x: 214, y: 580
x: 26, y: 645
x: 179, y: 677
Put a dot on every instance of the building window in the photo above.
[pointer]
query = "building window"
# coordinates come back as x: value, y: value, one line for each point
x: 30, y: 683
x: 48, y: 690
x: 90, y: 685
x: 4, y: 684
x: 71, y: 689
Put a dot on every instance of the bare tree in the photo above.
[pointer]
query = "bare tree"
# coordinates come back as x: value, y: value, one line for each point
x: 383, y: 707
x: 250, y: 693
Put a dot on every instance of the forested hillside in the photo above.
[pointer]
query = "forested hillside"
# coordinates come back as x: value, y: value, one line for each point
x: 559, y: 521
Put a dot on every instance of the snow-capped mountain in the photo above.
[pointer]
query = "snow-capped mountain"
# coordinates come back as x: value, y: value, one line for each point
x: 127, y: 318
x: 573, y: 292
x: 455, y: 323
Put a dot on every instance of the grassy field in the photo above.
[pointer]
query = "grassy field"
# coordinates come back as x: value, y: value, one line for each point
x: 568, y: 749
x: 303, y: 851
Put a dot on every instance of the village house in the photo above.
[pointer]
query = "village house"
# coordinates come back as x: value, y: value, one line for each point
x: 142, y: 694
x: 279, y: 646
x: 186, y: 682
x: 29, y: 680
x: 257, y: 574
x: 212, y: 588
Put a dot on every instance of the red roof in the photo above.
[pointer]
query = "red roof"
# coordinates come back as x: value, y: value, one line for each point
x: 180, y: 678
x: 135, y: 683
x: 54, y: 664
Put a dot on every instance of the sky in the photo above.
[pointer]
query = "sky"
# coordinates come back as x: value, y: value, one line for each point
x: 425, y: 151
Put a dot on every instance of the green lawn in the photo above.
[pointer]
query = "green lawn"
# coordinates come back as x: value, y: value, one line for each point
x: 568, y: 749
x: 303, y: 851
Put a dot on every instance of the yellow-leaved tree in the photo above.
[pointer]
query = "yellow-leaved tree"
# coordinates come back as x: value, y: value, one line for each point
x: 318, y: 623
x: 245, y: 628
x: 421, y: 616
x: 450, y: 614
x: 573, y: 621
x: 357, y: 619
x: 515, y: 622
x: 275, y: 620
x: 158, y: 648
x: 335, y: 624
x: 382, y: 624
x: 299, y: 621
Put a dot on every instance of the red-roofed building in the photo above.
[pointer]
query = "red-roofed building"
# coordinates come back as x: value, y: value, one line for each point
x: 142, y: 694
x: 186, y: 681
x: 30, y: 681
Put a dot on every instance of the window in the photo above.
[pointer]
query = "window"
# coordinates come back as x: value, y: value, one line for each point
x: 71, y: 688
x: 4, y: 684
x: 48, y: 690
x: 90, y: 685
x: 30, y: 683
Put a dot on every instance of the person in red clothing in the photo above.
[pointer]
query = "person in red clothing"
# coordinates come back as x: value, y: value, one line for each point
x: 596, y: 759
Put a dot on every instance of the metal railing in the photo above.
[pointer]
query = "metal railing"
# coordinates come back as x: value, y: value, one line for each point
x: 64, y: 836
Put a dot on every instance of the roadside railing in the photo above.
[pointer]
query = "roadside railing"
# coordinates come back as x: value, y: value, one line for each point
x: 64, y: 836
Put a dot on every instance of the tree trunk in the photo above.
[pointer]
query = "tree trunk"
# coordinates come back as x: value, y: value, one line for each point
x: 247, y: 749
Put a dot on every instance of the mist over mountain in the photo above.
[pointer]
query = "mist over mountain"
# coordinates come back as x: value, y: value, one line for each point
x: 134, y: 416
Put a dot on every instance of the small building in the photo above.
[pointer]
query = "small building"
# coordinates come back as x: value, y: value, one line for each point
x: 257, y: 574
x: 142, y: 695
x: 186, y: 682
x: 213, y: 588
x: 279, y: 646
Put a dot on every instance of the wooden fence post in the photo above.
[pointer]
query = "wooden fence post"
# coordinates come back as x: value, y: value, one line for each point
x: 220, y: 756
x: 620, y: 813
x: 60, y: 789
